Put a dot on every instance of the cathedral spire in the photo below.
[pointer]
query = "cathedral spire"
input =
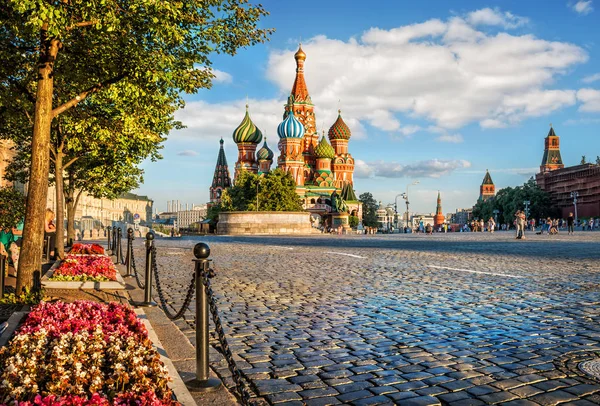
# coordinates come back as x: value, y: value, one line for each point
x: 221, y: 178
x: 487, y: 188
x: 299, y: 90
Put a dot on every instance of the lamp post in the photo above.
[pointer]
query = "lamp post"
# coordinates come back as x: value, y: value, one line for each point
x: 527, y: 203
x: 406, y: 198
x: 257, y: 196
x: 396, y: 207
x: 575, y: 195
x: 496, y: 211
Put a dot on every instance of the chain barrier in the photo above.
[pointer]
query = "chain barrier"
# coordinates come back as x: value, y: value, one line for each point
x: 135, y: 272
x: 163, y: 302
x: 238, y: 379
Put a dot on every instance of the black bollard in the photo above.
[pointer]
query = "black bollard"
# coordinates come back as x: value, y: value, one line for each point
x: 2, y: 271
x: 148, y: 274
x: 114, y: 241
x: 129, y: 254
x: 47, y: 248
x: 202, y: 382
x: 119, y: 248
x: 108, y: 246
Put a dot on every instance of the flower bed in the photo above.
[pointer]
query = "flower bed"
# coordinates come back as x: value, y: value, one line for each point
x: 85, y: 268
x: 88, y: 249
x: 82, y: 353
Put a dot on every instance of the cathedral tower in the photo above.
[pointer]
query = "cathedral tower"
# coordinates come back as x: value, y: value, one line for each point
x: 551, y: 159
x: 487, y: 188
x: 324, y: 153
x: 247, y: 136
x: 343, y: 163
x: 439, y: 217
x: 265, y: 158
x: 221, y: 178
x: 290, y: 159
x: 300, y: 103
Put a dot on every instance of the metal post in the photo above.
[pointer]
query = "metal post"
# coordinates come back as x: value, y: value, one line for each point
x: 119, y: 248
x: 148, y: 274
x: 2, y: 270
x: 129, y: 254
x: 48, y: 248
x: 108, y: 244
x: 203, y: 382
x: 114, y: 241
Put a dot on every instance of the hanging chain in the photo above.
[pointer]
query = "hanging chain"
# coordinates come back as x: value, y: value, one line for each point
x: 224, y: 350
x: 135, y: 272
x: 163, y: 302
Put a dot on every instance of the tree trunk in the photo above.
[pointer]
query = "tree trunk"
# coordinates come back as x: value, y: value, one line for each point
x: 60, y: 205
x: 37, y: 191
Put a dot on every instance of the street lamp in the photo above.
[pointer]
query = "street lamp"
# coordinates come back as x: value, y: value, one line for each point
x: 416, y: 182
x: 575, y: 195
x: 526, y: 203
x: 257, y: 196
x: 396, y: 207
x: 496, y: 211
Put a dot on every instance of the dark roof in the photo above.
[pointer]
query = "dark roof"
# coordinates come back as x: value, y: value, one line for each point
x: 132, y: 196
x: 551, y: 133
x: 487, y: 179
x: 221, y: 177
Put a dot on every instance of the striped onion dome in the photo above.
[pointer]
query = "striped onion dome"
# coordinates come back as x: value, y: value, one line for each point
x: 265, y: 154
x: 324, y: 150
x: 247, y: 131
x: 339, y: 130
x: 290, y: 127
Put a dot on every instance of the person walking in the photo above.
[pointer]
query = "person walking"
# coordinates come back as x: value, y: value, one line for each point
x: 520, y: 223
x: 491, y: 225
x: 50, y: 231
x: 570, y: 224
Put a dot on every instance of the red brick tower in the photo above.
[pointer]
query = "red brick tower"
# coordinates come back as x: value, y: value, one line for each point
x: 439, y: 217
x: 487, y: 188
x: 551, y: 159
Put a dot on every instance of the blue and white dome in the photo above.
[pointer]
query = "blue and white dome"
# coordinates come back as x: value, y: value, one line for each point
x: 290, y: 127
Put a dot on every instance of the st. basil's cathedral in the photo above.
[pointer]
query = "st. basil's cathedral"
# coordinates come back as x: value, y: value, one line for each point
x: 319, y: 167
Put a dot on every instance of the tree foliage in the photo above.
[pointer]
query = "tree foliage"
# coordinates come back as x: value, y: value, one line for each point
x: 58, y: 55
x: 508, y: 200
x: 12, y: 207
x: 583, y: 160
x: 369, y: 209
x: 276, y: 192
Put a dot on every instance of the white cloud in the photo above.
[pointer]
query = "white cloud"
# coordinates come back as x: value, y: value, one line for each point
x: 583, y: 7
x: 453, y: 138
x: 449, y: 73
x: 590, y: 99
x: 487, y: 16
x: 432, y: 168
x: 221, y: 77
x: 591, y: 78
x: 583, y: 121
x: 187, y: 152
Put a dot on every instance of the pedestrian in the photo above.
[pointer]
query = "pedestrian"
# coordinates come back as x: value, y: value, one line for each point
x: 50, y: 232
x: 570, y: 224
x: 592, y: 224
x: 482, y: 225
x: 491, y: 225
x: 520, y: 224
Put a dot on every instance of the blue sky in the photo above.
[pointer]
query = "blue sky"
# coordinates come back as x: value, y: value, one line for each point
x: 434, y: 93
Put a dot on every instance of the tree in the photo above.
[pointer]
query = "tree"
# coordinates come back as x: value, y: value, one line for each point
x: 597, y: 160
x: 583, y: 161
x: 370, y: 207
x: 58, y: 54
x: 353, y: 221
x: 12, y: 204
x: 276, y: 192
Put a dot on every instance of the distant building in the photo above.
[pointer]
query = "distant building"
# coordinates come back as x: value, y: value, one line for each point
x: 6, y: 155
x: 186, y: 218
x: 462, y: 216
x: 560, y: 182
x: 385, y: 218
x: 487, y: 188
x: 418, y: 219
x: 439, y: 218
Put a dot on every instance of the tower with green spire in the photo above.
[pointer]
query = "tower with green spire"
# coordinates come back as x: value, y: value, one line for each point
x: 221, y: 178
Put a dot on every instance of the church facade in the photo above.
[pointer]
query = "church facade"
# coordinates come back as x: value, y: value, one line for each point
x: 319, y: 166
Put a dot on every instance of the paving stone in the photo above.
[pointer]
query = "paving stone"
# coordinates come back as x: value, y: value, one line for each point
x: 554, y: 398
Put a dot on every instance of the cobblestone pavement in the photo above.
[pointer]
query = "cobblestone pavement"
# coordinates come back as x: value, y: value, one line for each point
x: 456, y: 319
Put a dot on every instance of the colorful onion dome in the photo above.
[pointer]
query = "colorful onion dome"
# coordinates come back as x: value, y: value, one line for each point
x: 339, y: 130
x: 300, y: 55
x: 290, y: 127
x: 324, y: 150
x: 265, y: 154
x: 247, y: 131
